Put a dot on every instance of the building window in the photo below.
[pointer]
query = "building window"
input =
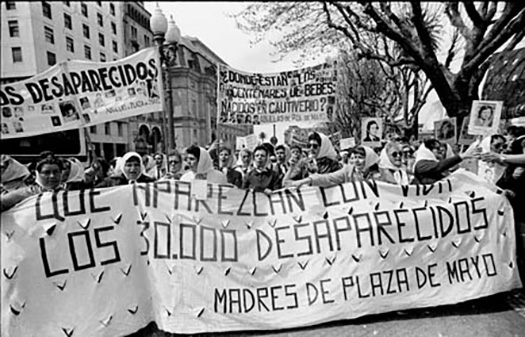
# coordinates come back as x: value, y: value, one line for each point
x: 112, y: 9
x: 10, y: 5
x: 102, y: 57
x: 67, y: 21
x: 14, y: 30
x: 115, y: 47
x: 133, y: 32
x: 100, y: 20
x: 67, y: 3
x: 84, y: 9
x: 46, y: 10
x: 114, y: 28
x: 70, y: 44
x: 48, y: 33
x: 51, y: 58
x: 101, y: 39
x: 17, y: 54
x: 120, y: 129
x: 93, y: 129
x: 87, y: 52
x: 85, y: 29
x: 107, y: 128
x: 146, y: 41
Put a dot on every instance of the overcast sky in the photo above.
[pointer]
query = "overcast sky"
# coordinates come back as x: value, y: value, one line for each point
x: 208, y: 22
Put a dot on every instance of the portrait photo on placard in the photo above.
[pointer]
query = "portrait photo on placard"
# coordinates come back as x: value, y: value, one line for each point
x: 68, y: 111
x: 485, y: 117
x: 464, y: 137
x: 371, y: 131
x: 445, y: 130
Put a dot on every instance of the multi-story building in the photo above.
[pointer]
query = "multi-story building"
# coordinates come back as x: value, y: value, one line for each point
x: 37, y: 35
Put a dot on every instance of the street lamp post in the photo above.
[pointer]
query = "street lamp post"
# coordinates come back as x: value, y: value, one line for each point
x: 164, y: 31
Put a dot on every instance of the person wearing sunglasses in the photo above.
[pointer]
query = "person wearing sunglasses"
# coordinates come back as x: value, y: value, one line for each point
x: 430, y: 166
x: 322, y: 157
x: 175, y: 166
x: 391, y: 169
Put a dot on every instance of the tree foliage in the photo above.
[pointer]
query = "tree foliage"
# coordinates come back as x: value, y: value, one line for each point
x: 421, y: 36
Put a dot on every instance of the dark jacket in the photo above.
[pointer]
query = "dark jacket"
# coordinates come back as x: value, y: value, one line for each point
x: 429, y: 171
x: 122, y: 180
x: 261, y: 180
x: 233, y: 176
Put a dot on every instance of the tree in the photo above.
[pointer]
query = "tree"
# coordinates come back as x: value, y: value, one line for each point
x: 480, y: 29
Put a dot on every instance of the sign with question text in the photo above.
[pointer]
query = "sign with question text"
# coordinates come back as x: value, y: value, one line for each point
x: 303, y: 95
x: 75, y: 94
x: 106, y: 262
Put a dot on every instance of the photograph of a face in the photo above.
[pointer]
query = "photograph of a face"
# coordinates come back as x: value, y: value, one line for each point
x: 485, y: 117
x: 445, y: 130
x: 371, y: 131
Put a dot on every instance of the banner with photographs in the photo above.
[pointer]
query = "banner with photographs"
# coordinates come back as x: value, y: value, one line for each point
x: 303, y: 95
x: 485, y: 117
x: 445, y: 130
x: 76, y: 94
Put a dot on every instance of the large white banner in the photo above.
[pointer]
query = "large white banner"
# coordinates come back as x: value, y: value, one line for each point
x: 303, y: 95
x: 76, y: 94
x: 106, y: 262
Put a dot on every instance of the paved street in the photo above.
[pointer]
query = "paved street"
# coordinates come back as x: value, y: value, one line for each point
x: 499, y: 316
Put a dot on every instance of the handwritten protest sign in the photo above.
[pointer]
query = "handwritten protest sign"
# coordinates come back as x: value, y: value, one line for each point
x: 75, y: 94
x: 106, y: 262
x: 304, y: 95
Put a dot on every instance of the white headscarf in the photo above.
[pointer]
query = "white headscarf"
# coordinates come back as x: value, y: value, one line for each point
x: 424, y: 153
x: 76, y: 172
x: 205, y: 164
x: 326, y: 149
x: 121, y: 162
x: 490, y: 171
x: 371, y: 157
x: 399, y: 172
x: 15, y: 170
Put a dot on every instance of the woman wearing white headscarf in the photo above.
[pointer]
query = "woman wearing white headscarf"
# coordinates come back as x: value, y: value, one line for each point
x: 391, y: 168
x: 201, y: 167
x: 322, y: 155
x: 73, y: 176
x: 128, y: 169
x: 431, y: 166
x: 491, y: 171
x: 361, y: 162
x: 14, y: 174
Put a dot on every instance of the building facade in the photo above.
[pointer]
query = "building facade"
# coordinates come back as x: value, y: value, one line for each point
x: 38, y: 35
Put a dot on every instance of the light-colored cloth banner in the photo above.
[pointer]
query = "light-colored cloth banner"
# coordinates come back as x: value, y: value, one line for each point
x: 106, y: 262
x: 303, y: 95
x: 76, y: 94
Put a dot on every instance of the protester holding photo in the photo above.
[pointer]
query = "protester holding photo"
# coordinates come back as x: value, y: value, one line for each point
x: 491, y: 171
x: 429, y: 167
x: 201, y: 167
x: 129, y: 169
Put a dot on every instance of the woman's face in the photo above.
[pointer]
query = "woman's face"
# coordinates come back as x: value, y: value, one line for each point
x: 132, y: 168
x: 175, y: 164
x: 192, y: 162
x: 296, y: 154
x: 497, y: 145
x: 373, y: 129
x: 395, y: 155
x: 486, y: 113
x: 260, y: 158
x: 245, y: 158
x: 50, y: 176
x: 313, y: 148
x: 224, y: 157
x: 358, y: 160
